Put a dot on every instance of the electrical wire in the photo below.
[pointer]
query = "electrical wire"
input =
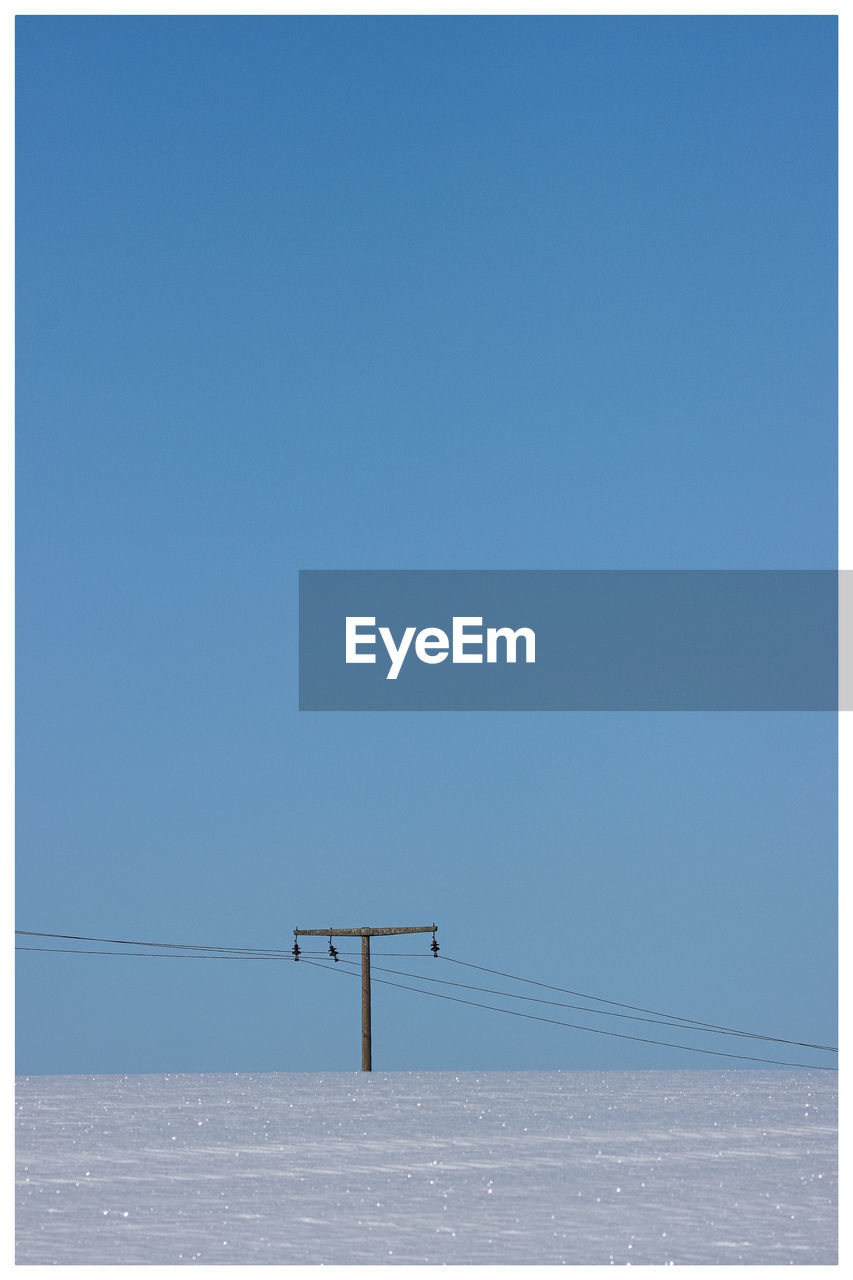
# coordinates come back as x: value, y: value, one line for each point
x: 176, y: 946
x: 179, y: 950
x: 604, y: 1013
x: 619, y: 1035
x: 266, y: 953
x: 619, y: 1004
x: 211, y: 954
x: 147, y: 955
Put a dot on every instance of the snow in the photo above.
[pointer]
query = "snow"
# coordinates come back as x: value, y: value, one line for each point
x: 429, y: 1167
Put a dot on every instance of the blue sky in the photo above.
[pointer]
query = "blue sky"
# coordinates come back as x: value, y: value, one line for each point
x: 410, y: 293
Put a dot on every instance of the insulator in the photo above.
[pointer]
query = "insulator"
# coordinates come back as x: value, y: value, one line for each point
x: 296, y: 951
x: 333, y: 951
x: 434, y: 946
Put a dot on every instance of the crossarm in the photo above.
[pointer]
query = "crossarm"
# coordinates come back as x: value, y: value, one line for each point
x: 361, y: 933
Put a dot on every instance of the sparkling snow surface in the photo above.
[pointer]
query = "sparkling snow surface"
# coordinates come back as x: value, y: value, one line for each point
x: 432, y: 1167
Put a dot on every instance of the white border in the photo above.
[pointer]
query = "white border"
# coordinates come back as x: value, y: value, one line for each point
x: 845, y: 559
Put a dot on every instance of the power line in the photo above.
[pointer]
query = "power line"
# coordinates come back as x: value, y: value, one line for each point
x: 619, y: 1035
x: 620, y: 1004
x: 606, y: 1013
x: 176, y: 946
x: 146, y: 955
x: 264, y: 953
x: 182, y: 951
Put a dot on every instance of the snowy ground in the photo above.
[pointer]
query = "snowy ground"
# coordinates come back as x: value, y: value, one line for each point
x: 433, y: 1167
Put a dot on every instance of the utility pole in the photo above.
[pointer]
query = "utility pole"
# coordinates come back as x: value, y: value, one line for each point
x: 365, y: 935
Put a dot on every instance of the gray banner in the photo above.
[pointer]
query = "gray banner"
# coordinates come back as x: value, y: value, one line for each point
x: 562, y: 640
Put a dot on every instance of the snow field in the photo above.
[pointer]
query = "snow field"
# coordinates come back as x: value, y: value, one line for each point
x: 429, y: 1167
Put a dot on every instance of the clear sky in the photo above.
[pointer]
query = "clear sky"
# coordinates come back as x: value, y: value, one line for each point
x: 410, y: 293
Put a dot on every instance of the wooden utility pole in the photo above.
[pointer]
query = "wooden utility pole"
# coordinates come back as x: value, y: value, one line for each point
x: 366, y: 1035
x: 365, y: 935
